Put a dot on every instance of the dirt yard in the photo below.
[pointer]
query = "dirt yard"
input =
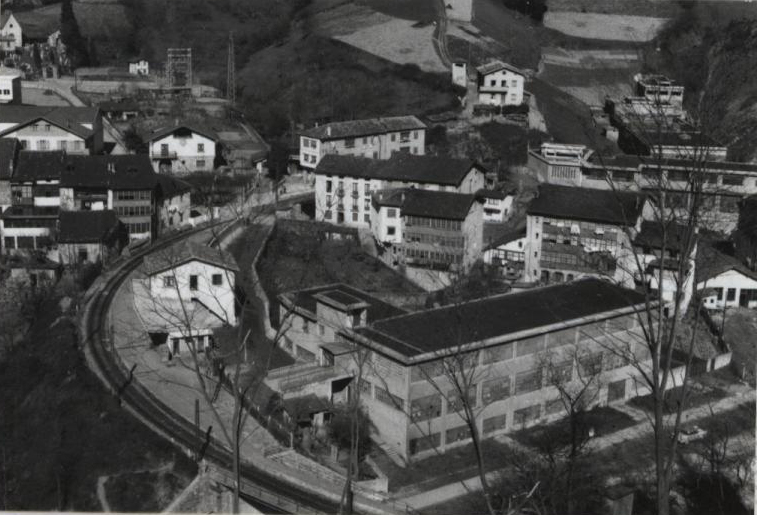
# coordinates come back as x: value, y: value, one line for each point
x: 399, y: 40
x: 613, y: 27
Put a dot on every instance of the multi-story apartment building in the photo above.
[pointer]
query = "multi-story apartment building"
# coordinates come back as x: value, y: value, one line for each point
x: 428, y: 229
x: 28, y: 224
x: 500, y: 84
x: 376, y: 138
x: 126, y: 184
x: 572, y: 326
x: 575, y: 232
x: 182, y: 148
x: 75, y: 130
x: 344, y: 184
x: 723, y: 183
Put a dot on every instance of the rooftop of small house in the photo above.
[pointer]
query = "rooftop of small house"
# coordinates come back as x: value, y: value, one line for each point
x: 307, y: 300
x: 35, y: 165
x: 359, y: 128
x: 128, y: 171
x: 710, y: 263
x: 185, y: 252
x: 495, y: 66
x: 86, y: 226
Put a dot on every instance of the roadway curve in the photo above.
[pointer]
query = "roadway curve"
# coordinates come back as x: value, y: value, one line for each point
x: 159, y: 417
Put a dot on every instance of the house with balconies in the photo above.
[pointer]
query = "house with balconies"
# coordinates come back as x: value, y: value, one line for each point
x: 375, y: 138
x: 575, y: 232
x: 501, y: 340
x: 500, y: 84
x: 344, y: 185
x: 182, y: 148
x: 29, y: 224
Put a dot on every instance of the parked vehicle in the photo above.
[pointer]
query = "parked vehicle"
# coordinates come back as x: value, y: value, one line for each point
x: 690, y: 433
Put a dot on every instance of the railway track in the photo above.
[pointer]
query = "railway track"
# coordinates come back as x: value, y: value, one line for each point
x: 268, y: 489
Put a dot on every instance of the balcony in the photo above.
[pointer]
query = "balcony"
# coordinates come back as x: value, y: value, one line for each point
x: 164, y: 155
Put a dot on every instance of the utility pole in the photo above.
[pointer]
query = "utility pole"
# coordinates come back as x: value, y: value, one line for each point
x: 231, y: 80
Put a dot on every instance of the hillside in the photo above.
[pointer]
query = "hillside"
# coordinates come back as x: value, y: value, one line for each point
x: 712, y: 52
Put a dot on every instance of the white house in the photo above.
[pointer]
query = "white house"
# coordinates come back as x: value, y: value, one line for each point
x: 508, y: 252
x: 500, y: 84
x: 174, y: 202
x: 723, y: 281
x: 76, y: 130
x: 188, y: 292
x: 10, y: 32
x: 344, y: 184
x: 498, y: 205
x: 10, y: 86
x: 140, y: 67
x: 182, y: 148
x: 377, y: 138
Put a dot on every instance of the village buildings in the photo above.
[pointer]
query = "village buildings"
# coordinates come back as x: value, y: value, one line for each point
x: 75, y: 130
x: 376, y: 138
x: 189, y: 290
x: 500, y: 84
x: 182, y: 148
x: 344, y: 185
x: 428, y: 229
x: 410, y: 401
x: 10, y: 86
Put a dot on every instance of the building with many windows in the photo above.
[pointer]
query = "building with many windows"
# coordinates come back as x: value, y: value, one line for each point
x: 723, y: 183
x: 412, y: 405
x: 574, y: 232
x: 376, y: 138
x: 428, y: 229
x: 344, y: 185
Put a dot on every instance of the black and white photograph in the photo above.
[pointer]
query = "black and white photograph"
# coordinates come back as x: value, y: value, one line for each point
x: 378, y: 257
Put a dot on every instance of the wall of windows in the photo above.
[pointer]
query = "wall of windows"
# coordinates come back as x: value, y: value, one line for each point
x: 133, y: 195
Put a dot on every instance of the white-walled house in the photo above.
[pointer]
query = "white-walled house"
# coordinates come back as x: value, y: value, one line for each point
x: 174, y: 202
x: 90, y: 237
x: 10, y: 32
x: 10, y: 86
x: 508, y: 252
x: 141, y: 67
x: 75, y: 130
x: 344, y: 184
x: 500, y: 84
x: 498, y: 205
x: 723, y: 281
x: 182, y: 148
x: 376, y: 138
x: 189, y: 290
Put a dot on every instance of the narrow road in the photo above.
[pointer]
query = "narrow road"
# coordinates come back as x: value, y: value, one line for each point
x: 440, y: 33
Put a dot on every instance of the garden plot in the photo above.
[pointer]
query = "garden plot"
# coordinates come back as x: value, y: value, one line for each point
x: 612, y: 27
x: 397, y: 40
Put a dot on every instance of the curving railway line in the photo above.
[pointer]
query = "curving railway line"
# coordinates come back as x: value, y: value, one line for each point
x: 265, y: 488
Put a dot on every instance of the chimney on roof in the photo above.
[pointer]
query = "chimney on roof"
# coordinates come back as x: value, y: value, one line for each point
x: 176, y: 122
x: 328, y: 130
x: 111, y: 167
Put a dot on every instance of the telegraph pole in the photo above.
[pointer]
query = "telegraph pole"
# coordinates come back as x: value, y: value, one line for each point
x: 231, y: 79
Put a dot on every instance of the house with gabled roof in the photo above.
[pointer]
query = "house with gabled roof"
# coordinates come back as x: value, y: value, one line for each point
x: 75, y: 130
x: 428, y: 229
x: 501, y: 338
x: 189, y: 290
x: 182, y: 148
x: 723, y: 281
x: 90, y: 237
x: 344, y: 184
x: 375, y: 138
x: 500, y: 84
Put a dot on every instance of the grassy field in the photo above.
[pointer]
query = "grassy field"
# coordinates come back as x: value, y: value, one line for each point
x: 613, y: 27
x: 631, y: 7
x: 60, y: 430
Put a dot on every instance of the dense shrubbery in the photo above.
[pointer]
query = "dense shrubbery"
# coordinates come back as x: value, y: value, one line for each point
x: 535, y: 9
